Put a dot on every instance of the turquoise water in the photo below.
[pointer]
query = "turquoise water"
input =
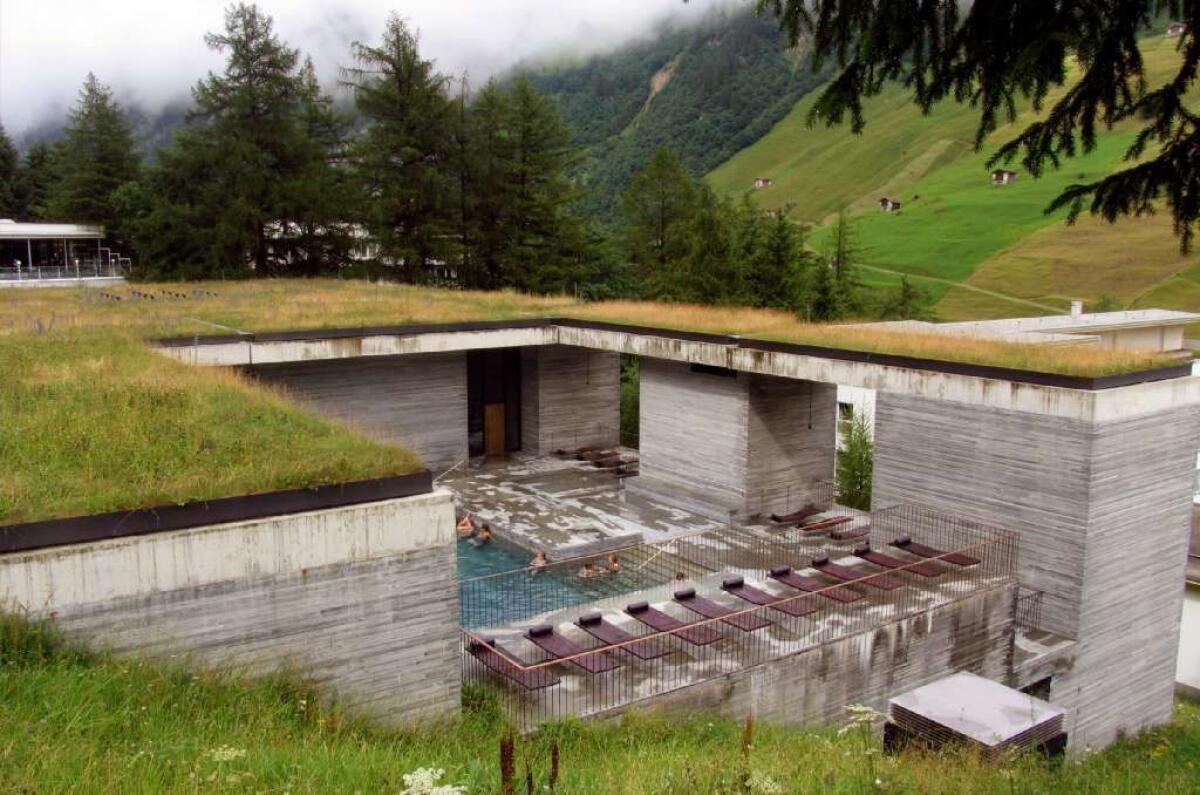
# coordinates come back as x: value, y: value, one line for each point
x: 520, y: 594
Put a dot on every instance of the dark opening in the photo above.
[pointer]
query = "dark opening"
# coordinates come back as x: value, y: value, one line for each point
x: 708, y: 369
x: 493, y: 379
x: 1039, y: 689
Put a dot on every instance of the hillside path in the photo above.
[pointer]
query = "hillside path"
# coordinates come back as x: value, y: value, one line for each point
x: 1054, y: 310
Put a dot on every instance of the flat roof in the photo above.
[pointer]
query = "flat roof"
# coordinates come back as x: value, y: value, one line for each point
x: 14, y: 230
x: 1047, y: 328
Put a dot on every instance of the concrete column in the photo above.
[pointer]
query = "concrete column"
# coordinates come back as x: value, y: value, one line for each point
x: 419, y: 401
x: 570, y: 397
x: 1103, y: 510
x: 724, y: 443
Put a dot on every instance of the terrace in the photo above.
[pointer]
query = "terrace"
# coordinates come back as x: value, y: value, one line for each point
x: 708, y: 608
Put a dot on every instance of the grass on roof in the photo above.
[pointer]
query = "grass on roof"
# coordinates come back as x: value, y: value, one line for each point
x: 94, y: 420
x: 75, y: 722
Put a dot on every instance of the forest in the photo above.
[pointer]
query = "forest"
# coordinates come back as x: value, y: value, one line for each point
x: 520, y: 184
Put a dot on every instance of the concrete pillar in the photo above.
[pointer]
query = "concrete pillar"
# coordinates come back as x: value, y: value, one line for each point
x: 728, y: 444
x: 1103, y: 510
x: 570, y: 397
x: 419, y: 401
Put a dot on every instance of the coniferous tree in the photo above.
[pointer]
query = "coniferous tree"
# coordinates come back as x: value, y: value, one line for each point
x: 777, y: 276
x: 95, y: 158
x: 33, y: 185
x: 10, y: 178
x: 402, y: 161
x: 856, y: 464
x: 711, y: 272
x: 658, y: 208
x: 909, y: 302
x: 486, y: 188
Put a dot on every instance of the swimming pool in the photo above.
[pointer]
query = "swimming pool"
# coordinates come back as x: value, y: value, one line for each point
x: 510, y: 597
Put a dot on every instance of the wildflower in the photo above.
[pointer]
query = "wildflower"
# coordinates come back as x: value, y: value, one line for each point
x: 424, y: 781
x: 759, y: 783
x: 224, y: 753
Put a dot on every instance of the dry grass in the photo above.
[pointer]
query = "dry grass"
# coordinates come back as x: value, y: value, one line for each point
x: 783, y: 326
x: 297, y: 304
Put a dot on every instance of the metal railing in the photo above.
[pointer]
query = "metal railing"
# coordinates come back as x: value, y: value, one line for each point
x: 1029, y: 608
x: 92, y: 269
x: 503, y: 606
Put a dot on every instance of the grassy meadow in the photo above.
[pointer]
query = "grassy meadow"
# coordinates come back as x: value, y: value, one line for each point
x: 75, y: 722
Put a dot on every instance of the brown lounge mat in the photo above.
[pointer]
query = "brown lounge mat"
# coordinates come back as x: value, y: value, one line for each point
x: 595, y: 625
x: 825, y: 524
x: 792, y: 606
x: 924, y: 568
x: 659, y: 621
x: 848, y: 574
x: 795, y: 516
x: 812, y: 585
x: 920, y: 550
x: 503, y: 663
x: 710, y: 609
x: 545, y: 638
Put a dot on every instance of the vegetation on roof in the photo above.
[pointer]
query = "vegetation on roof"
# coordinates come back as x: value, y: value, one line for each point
x: 94, y: 420
x: 75, y: 722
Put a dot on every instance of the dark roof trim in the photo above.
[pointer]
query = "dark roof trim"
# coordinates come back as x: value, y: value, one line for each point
x: 837, y: 354
x: 122, y: 524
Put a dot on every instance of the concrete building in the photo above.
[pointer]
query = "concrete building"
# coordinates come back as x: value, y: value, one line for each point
x: 1094, y: 476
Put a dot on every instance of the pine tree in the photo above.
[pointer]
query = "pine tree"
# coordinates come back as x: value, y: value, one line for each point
x: 402, y: 160
x: 711, y: 272
x: 826, y: 301
x: 34, y: 179
x: 908, y: 303
x: 658, y: 207
x: 486, y: 199
x: 776, y: 277
x: 95, y: 158
x: 855, y: 464
x: 10, y: 177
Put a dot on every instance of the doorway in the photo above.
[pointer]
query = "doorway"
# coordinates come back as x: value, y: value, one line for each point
x: 494, y: 402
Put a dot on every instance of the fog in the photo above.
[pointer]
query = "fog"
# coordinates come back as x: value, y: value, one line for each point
x: 152, y: 52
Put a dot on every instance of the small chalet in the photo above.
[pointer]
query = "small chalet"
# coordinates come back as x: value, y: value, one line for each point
x: 889, y: 205
x: 1002, y: 176
x: 1175, y: 30
x: 762, y: 182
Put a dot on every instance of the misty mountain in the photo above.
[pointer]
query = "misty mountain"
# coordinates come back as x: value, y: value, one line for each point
x: 705, y: 91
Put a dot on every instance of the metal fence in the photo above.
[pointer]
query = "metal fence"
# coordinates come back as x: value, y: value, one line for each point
x: 91, y: 269
x: 590, y: 676
x: 1029, y: 608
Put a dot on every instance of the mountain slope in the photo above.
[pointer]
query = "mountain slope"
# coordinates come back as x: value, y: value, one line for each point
x: 954, y: 226
x: 706, y: 92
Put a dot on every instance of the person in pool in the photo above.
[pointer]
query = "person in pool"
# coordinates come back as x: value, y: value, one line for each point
x: 484, y: 536
x: 465, y: 527
x: 589, y: 571
x: 614, y: 562
x: 539, y: 562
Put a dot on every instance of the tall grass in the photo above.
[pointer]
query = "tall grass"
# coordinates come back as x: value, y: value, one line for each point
x: 78, y: 723
x: 92, y: 420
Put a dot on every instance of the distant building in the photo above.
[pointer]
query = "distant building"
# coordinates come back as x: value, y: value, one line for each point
x: 1175, y: 30
x: 762, y: 182
x: 1003, y: 176
x: 889, y: 205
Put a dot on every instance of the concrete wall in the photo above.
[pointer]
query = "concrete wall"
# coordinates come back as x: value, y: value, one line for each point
x: 418, y: 401
x: 814, y: 686
x: 739, y: 443
x: 362, y: 598
x: 570, y: 397
x: 1103, y: 510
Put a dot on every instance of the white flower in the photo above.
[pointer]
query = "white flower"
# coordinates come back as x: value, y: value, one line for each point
x: 224, y: 753
x: 424, y: 781
x: 759, y: 783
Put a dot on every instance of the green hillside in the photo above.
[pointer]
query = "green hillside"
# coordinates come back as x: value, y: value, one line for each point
x: 705, y: 91
x: 955, y: 228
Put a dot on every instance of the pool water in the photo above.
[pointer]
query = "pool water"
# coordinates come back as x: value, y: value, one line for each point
x: 502, y: 599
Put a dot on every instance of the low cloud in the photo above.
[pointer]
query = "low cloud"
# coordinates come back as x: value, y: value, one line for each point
x: 153, y: 52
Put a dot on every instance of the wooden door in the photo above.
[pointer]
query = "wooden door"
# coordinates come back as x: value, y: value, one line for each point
x: 493, y: 429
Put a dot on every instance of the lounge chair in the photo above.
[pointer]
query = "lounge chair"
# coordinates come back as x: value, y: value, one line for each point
x: 792, y: 606
x: 710, y: 609
x: 848, y: 574
x: 659, y: 621
x: 920, y: 550
x: 796, y: 516
x: 508, y: 666
x: 924, y: 568
x: 606, y: 632
x: 824, y: 524
x: 785, y: 575
x: 545, y: 638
